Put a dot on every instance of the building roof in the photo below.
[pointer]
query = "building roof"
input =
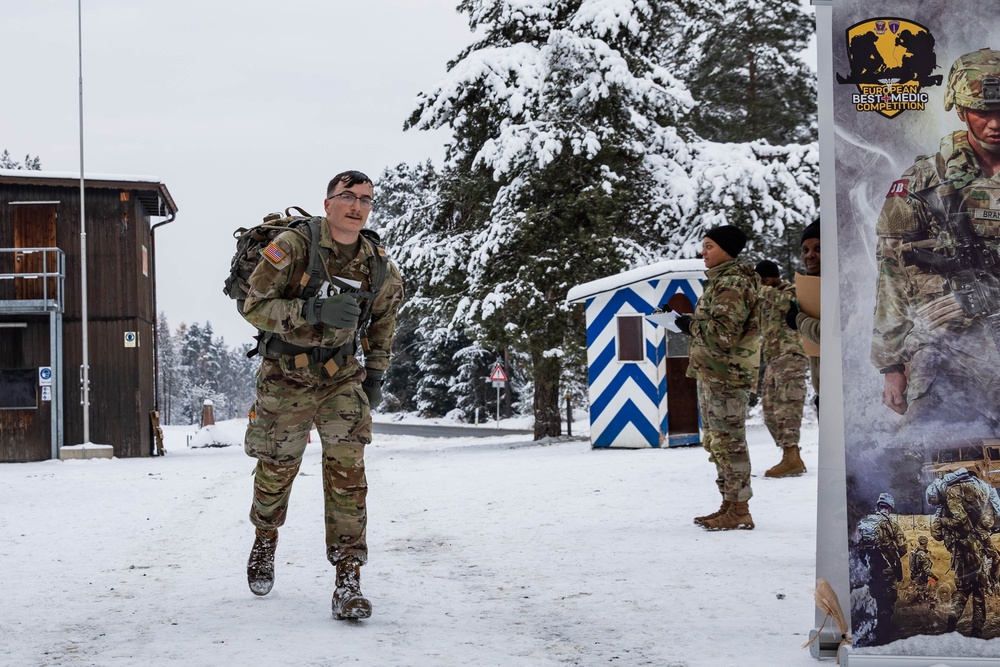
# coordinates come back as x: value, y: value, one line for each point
x: 151, y: 192
x: 672, y: 268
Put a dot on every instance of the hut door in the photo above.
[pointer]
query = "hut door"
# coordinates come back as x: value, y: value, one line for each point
x: 682, y: 392
x: 34, y: 227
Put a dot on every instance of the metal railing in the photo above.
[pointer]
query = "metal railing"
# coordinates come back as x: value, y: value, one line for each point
x: 30, y: 296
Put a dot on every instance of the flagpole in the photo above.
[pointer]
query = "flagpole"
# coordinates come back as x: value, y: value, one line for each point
x: 85, y: 363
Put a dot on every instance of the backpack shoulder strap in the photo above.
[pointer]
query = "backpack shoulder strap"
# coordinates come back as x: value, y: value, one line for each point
x: 379, y: 268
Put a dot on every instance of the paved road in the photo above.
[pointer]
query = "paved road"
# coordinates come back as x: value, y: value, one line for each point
x: 440, y: 431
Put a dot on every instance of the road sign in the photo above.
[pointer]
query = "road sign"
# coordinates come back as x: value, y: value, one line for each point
x: 44, y: 376
x: 498, y: 375
x: 131, y: 339
x: 499, y: 384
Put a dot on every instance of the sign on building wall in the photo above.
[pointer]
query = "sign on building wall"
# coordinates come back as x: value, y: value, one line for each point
x: 918, y: 224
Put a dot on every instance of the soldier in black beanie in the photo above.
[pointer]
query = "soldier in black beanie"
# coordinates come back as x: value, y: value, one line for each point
x: 724, y: 356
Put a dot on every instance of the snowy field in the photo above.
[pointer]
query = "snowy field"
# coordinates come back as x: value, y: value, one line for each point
x: 483, y: 551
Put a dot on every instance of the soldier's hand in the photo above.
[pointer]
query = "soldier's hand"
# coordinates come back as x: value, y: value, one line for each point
x: 791, y: 315
x: 372, y: 386
x: 339, y: 310
x: 894, y: 391
x: 683, y: 323
x: 940, y: 311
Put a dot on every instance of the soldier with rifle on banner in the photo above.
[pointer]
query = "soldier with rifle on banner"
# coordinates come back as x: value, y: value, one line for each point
x: 936, y: 334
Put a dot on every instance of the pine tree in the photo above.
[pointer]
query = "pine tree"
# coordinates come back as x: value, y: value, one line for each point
x: 552, y: 113
x: 741, y: 60
x: 30, y: 163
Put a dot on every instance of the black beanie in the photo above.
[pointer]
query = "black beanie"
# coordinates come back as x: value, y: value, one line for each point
x: 810, y: 232
x: 729, y: 238
x: 767, y: 269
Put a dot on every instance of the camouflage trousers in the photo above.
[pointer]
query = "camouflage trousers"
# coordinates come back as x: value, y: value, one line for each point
x: 288, y: 404
x: 783, y: 396
x: 723, y: 419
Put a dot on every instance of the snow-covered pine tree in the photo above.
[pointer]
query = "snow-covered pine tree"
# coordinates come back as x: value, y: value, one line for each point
x: 742, y: 60
x: 547, y: 180
x: 167, y: 364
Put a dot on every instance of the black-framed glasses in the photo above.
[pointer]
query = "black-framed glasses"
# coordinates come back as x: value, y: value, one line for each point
x: 349, y: 199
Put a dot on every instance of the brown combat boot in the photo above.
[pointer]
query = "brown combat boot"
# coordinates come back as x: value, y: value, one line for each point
x: 260, y: 567
x: 737, y: 516
x: 699, y: 520
x: 790, y: 465
x: 348, y: 602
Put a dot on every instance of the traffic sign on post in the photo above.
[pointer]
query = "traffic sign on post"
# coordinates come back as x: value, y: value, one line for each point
x: 498, y: 375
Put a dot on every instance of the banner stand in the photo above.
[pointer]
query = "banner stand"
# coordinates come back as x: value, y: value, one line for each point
x: 831, y: 515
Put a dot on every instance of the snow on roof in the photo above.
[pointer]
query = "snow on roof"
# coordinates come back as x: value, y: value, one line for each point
x: 30, y: 173
x: 672, y: 268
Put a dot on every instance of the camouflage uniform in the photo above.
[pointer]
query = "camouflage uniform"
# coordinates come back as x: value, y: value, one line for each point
x: 295, y: 392
x: 965, y: 521
x: 885, y: 568
x: 921, y: 570
x: 809, y: 329
x: 724, y: 357
x: 950, y: 349
x: 784, y: 390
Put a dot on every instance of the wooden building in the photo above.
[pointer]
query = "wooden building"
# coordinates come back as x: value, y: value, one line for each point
x: 41, y: 311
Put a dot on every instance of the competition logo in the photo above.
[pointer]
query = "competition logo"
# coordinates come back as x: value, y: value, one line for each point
x: 891, y: 60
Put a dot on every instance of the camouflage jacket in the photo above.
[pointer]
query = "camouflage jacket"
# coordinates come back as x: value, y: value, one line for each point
x: 273, y: 303
x: 776, y: 337
x: 905, y: 223
x: 921, y: 566
x: 890, y: 545
x: 725, y: 327
x: 967, y: 508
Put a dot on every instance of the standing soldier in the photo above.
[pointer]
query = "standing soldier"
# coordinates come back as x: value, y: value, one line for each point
x: 938, y: 286
x: 310, y: 375
x: 809, y: 327
x: 921, y: 571
x: 784, y: 390
x: 724, y: 358
x: 881, y: 545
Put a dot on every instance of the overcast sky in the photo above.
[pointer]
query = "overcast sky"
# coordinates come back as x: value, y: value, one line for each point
x: 240, y: 108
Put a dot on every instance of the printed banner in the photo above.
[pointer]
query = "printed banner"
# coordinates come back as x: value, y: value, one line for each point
x: 917, y: 126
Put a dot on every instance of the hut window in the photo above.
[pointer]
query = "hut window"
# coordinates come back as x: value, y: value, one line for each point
x: 630, y: 338
x: 17, y: 389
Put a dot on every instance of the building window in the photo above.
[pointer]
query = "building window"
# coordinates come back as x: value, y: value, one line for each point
x: 631, y: 342
x: 17, y: 389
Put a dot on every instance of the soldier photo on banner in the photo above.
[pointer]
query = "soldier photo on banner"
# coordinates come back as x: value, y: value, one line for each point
x: 917, y: 116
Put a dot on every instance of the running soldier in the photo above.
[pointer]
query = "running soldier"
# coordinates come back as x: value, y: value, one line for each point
x: 310, y: 376
x: 938, y: 286
x: 784, y: 385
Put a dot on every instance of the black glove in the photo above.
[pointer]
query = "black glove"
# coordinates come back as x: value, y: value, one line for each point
x: 793, y: 312
x: 683, y: 323
x: 372, y: 386
x: 339, y: 310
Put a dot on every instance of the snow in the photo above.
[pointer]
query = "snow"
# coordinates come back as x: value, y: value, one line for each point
x: 63, y: 175
x: 483, y: 551
x: 676, y: 269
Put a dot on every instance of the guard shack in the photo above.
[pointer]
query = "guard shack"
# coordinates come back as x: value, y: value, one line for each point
x: 41, y: 348
x: 639, y: 393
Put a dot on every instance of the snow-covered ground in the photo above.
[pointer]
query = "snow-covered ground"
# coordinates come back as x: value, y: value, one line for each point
x: 483, y: 551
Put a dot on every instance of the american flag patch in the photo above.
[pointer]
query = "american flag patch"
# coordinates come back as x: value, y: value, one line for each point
x: 274, y: 253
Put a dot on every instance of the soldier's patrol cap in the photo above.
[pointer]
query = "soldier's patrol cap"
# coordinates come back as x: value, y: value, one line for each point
x: 974, y: 81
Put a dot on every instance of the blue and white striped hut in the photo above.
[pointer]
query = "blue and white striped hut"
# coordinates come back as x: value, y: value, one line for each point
x: 639, y: 395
